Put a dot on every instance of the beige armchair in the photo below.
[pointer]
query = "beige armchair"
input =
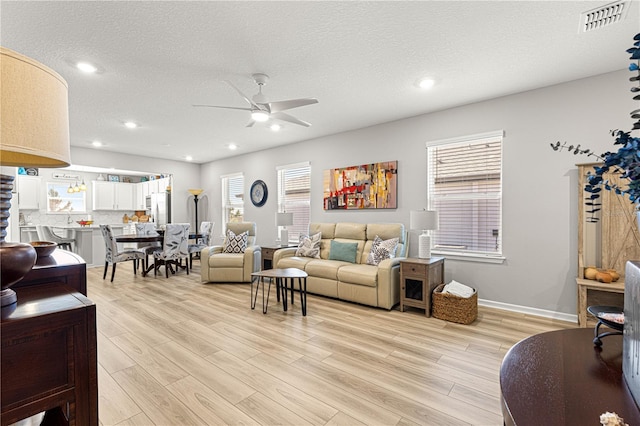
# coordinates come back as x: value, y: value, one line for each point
x: 217, y: 266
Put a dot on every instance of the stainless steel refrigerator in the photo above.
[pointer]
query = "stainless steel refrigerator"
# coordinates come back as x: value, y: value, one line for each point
x: 159, y: 207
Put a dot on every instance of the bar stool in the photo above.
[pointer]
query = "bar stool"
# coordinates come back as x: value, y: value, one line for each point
x: 45, y: 233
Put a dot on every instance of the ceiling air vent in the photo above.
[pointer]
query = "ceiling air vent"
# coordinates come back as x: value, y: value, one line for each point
x: 602, y: 16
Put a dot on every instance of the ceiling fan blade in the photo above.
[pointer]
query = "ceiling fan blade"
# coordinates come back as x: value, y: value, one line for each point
x: 245, y: 97
x: 286, y: 117
x: 219, y: 106
x: 290, y: 104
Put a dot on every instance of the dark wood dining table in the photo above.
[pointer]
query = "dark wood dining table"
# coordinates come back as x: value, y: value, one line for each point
x: 135, y: 238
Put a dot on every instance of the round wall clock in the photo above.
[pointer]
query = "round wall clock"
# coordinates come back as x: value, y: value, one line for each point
x: 259, y: 193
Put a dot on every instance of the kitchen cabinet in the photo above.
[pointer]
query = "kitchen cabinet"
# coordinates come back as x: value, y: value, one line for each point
x: 113, y: 196
x: 28, y: 192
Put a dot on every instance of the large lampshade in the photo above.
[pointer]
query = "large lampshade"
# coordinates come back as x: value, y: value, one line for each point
x: 34, y: 113
x: 34, y: 132
x: 424, y: 220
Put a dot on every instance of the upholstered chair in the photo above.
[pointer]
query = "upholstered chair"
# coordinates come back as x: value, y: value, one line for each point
x: 45, y: 233
x: 219, y: 264
x: 206, y: 230
x: 174, y: 248
x: 147, y: 229
x: 113, y: 255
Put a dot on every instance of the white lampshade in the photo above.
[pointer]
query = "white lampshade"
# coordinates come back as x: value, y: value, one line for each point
x: 284, y: 219
x: 34, y: 115
x: 424, y: 220
x: 421, y: 220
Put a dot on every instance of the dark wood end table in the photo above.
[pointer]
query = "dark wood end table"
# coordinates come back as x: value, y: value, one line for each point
x: 418, y: 279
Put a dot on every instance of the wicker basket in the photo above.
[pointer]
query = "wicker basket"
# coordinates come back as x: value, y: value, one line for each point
x: 454, y: 308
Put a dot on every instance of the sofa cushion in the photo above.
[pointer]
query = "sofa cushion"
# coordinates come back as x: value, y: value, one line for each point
x: 359, y: 274
x: 382, y: 249
x: 235, y: 243
x: 324, y: 268
x: 343, y: 251
x: 227, y: 260
x: 294, y: 262
x: 309, y: 246
x: 351, y: 231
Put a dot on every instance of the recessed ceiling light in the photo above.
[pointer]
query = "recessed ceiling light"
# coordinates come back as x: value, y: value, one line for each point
x: 96, y: 143
x: 233, y: 146
x: 130, y: 125
x: 189, y: 158
x: 86, y: 67
x: 426, y: 83
x: 275, y: 127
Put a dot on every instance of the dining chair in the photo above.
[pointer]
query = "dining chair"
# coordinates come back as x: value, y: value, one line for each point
x: 174, y: 248
x: 45, y: 233
x: 206, y: 230
x: 114, y: 256
x: 148, y: 229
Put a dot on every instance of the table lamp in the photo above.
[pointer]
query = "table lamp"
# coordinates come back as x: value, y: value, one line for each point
x: 424, y: 220
x: 284, y: 220
x: 195, y: 193
x: 34, y: 131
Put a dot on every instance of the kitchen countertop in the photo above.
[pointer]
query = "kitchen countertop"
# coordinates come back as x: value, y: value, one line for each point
x: 76, y: 227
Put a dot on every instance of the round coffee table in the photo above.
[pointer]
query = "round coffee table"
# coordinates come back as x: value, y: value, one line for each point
x: 282, y: 278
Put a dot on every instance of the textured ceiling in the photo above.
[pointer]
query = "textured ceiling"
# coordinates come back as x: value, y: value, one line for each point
x: 360, y: 59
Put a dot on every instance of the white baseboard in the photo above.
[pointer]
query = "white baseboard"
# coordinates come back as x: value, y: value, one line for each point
x: 528, y: 310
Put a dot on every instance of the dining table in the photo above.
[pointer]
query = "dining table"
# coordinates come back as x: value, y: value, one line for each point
x: 135, y: 238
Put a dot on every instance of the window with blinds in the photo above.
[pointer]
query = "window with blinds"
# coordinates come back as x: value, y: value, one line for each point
x: 465, y: 188
x: 232, y: 199
x: 294, y: 196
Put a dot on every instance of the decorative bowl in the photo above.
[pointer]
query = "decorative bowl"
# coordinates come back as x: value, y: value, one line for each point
x: 84, y: 222
x: 43, y: 248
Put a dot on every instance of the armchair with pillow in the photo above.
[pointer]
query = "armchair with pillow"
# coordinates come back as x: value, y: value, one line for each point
x: 236, y: 259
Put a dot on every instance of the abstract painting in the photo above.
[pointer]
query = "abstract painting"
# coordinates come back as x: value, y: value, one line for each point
x: 368, y: 186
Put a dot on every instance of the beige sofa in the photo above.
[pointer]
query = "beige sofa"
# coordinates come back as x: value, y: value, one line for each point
x: 217, y: 266
x: 356, y: 282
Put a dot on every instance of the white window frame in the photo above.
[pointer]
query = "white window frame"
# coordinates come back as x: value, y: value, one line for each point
x: 227, y: 203
x: 463, y: 254
x: 301, y: 209
x: 77, y: 198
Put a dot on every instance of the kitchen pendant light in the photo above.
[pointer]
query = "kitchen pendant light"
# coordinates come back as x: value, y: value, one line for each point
x: 70, y: 189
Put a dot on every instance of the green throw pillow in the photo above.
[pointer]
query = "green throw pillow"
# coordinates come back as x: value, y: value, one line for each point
x: 343, y: 251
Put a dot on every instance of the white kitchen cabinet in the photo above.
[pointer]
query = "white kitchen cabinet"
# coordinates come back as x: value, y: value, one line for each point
x: 28, y: 188
x: 113, y: 196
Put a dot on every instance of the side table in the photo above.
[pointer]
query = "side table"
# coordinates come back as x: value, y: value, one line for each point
x: 49, y: 356
x: 418, y: 279
x: 267, y: 255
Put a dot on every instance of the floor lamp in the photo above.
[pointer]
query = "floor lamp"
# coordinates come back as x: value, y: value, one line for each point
x: 284, y: 220
x: 34, y: 125
x: 195, y: 193
x: 424, y: 220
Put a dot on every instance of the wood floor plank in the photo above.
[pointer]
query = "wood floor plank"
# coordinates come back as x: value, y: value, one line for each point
x: 176, y: 351
x: 304, y: 405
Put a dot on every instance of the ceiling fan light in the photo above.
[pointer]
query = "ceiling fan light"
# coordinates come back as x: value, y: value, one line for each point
x: 259, y: 116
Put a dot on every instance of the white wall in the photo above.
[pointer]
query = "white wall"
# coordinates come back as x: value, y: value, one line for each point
x: 540, y: 186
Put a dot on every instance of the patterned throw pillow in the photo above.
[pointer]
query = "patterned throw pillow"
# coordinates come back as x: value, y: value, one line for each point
x: 381, y: 250
x: 235, y: 243
x: 310, y: 246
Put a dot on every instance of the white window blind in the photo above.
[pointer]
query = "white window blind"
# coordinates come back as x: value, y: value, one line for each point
x: 294, y: 196
x: 232, y: 199
x: 465, y: 188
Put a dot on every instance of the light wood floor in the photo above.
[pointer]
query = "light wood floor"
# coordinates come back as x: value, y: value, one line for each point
x: 178, y: 352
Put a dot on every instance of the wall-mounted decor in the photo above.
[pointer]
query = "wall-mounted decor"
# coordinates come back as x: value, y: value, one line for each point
x: 369, y: 186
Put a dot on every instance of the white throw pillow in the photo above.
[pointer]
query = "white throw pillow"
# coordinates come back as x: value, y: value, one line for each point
x: 235, y: 243
x: 310, y: 246
x: 381, y: 250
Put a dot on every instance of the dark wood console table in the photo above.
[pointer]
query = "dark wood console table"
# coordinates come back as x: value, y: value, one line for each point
x: 561, y: 378
x: 49, y: 354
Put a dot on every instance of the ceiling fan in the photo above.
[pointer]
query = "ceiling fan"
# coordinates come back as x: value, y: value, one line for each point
x: 261, y: 110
